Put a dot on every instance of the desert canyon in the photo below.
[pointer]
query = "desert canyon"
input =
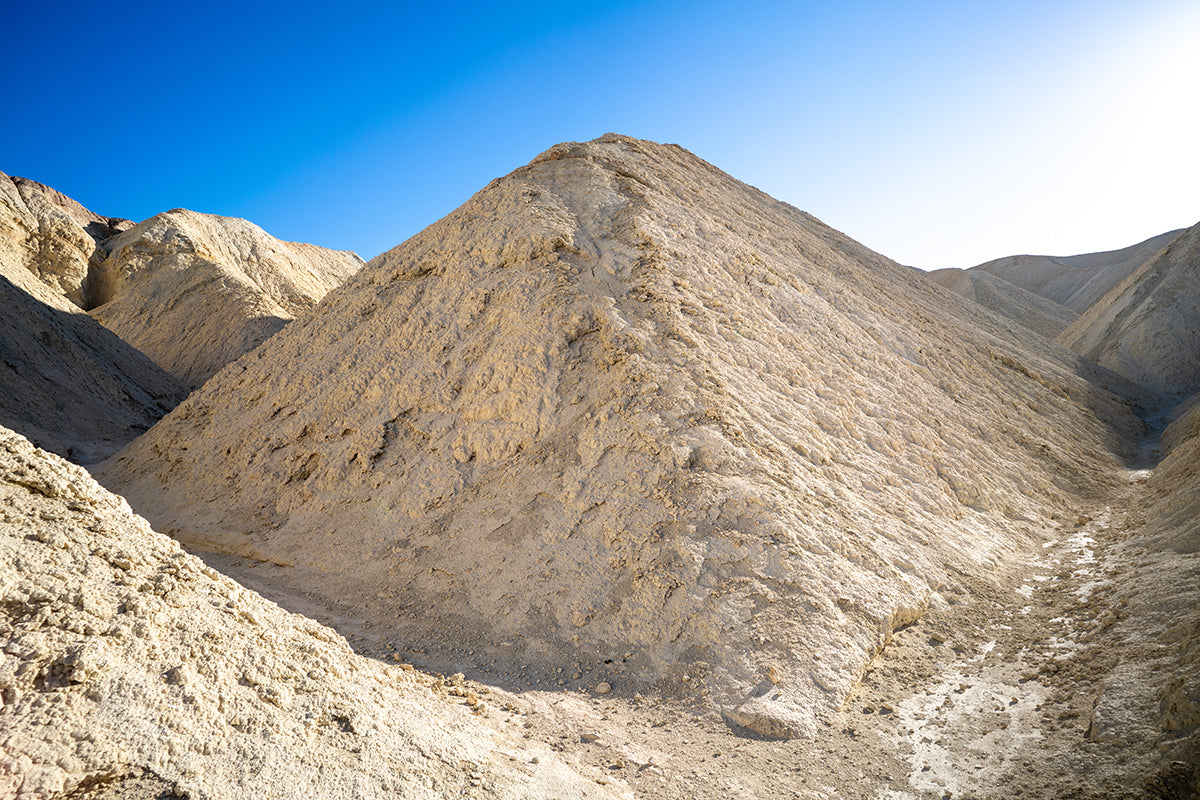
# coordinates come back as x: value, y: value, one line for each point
x: 624, y: 479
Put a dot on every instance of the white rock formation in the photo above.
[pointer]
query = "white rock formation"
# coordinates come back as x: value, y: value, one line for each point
x: 127, y: 660
x: 196, y: 291
x: 623, y: 410
x: 1148, y: 327
x: 1076, y: 281
x: 1033, y: 311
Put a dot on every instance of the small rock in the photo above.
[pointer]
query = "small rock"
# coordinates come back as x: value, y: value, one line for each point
x: 603, y: 687
x: 589, y: 737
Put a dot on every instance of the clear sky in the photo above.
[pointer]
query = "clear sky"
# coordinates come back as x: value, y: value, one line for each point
x: 938, y: 133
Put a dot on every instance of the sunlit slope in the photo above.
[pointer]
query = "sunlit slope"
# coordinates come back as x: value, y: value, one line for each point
x: 620, y: 407
x: 1076, y: 281
x: 66, y: 382
x: 52, y: 238
x: 1033, y: 311
x: 196, y: 291
x: 126, y: 657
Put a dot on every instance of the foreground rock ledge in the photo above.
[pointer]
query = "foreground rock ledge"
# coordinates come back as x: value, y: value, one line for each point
x: 125, y: 658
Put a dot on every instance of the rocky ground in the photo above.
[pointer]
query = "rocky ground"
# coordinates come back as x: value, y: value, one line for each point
x: 995, y: 694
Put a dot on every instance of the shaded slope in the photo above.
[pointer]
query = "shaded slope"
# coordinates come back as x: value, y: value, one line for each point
x: 1033, y: 311
x: 1148, y: 327
x: 196, y: 291
x: 1076, y: 281
x: 1173, y: 503
x: 68, y: 383
x: 127, y: 660
x: 622, y: 411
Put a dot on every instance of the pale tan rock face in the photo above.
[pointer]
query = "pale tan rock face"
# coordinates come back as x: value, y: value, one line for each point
x: 1033, y: 311
x: 192, y: 291
x: 196, y: 291
x: 621, y: 409
x: 66, y: 382
x: 1148, y: 327
x: 51, y: 236
x: 1076, y: 282
x: 125, y: 655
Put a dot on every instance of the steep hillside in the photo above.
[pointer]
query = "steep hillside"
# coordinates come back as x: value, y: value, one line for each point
x: 624, y: 416
x: 1076, y: 281
x: 128, y: 664
x: 1148, y: 327
x: 196, y: 291
x: 51, y: 236
x: 68, y: 383
x: 1033, y: 311
x: 191, y: 291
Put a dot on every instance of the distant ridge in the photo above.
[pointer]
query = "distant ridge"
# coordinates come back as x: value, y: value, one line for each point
x: 1148, y: 327
x: 1076, y: 281
x: 1033, y: 311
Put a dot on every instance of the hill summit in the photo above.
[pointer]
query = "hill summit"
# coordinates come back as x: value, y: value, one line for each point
x: 624, y: 418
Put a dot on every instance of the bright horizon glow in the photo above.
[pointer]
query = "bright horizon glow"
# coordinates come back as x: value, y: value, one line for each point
x: 940, y: 134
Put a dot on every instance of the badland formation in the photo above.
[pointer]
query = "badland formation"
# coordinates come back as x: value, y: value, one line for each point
x: 622, y: 480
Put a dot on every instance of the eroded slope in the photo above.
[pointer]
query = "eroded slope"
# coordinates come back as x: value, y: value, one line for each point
x: 68, y: 383
x: 1033, y: 311
x: 624, y: 412
x: 1148, y: 327
x: 1076, y: 281
x: 196, y: 291
x: 52, y: 237
x: 128, y: 660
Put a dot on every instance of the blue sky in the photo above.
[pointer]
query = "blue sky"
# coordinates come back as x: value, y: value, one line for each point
x: 938, y: 133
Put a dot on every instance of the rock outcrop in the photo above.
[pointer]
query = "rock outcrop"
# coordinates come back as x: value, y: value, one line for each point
x: 1033, y: 311
x: 191, y: 291
x: 197, y: 291
x: 1148, y: 327
x: 51, y: 236
x: 129, y: 663
x: 66, y: 382
x: 623, y: 411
